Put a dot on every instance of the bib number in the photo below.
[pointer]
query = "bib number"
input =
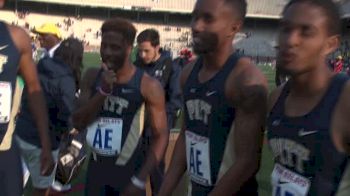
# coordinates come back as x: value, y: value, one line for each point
x: 288, y: 183
x: 5, y: 101
x: 198, y: 158
x: 104, y: 136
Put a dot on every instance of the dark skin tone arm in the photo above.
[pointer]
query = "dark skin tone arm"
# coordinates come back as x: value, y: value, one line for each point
x: 247, y: 89
x: 27, y: 70
x: 153, y: 94
x: 177, y: 165
x: 90, y: 106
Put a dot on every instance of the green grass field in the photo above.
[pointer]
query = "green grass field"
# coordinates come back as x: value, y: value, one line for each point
x: 92, y: 60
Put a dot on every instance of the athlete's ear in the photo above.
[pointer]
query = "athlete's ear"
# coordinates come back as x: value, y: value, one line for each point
x: 332, y: 43
x: 235, y: 27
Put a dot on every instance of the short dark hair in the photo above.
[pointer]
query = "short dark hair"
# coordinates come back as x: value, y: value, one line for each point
x: 122, y: 26
x: 150, y: 35
x: 329, y: 8
x: 240, y: 7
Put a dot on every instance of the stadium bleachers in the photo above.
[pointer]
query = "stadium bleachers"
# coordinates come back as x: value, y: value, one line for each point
x: 173, y: 37
x: 256, y: 8
x: 150, y: 5
x: 175, y: 32
x: 265, y: 8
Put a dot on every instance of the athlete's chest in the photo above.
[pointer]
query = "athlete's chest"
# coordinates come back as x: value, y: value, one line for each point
x: 124, y: 100
x: 296, y: 142
x: 203, y: 101
x: 299, y: 106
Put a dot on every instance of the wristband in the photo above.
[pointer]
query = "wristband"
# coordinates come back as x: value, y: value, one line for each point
x: 103, y: 92
x: 138, y: 183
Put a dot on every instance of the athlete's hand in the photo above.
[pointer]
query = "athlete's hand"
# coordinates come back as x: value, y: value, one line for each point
x: 108, y: 79
x: 46, y: 162
x: 132, y: 190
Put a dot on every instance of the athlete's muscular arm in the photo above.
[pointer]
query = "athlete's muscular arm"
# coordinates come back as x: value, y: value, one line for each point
x: 247, y: 88
x: 155, y: 104
x: 340, y: 127
x: 153, y: 94
x: 88, y: 105
x: 36, y: 99
x: 177, y: 165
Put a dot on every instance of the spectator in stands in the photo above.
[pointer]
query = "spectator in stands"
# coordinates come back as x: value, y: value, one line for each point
x: 159, y: 65
x: 49, y: 37
x: 338, y: 64
x: 58, y: 77
x: 186, y: 57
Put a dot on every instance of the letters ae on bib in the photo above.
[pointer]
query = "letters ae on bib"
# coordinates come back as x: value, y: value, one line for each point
x: 117, y: 131
x: 198, y: 159
x: 105, y: 136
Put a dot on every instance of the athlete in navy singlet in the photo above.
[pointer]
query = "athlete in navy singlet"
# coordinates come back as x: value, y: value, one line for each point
x: 15, y: 57
x: 306, y: 160
x: 113, y: 111
x: 225, y: 105
x: 302, y: 111
x: 208, y: 118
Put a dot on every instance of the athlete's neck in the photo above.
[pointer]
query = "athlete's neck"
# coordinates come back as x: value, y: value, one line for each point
x: 215, y: 60
x: 312, y: 82
x: 125, y: 72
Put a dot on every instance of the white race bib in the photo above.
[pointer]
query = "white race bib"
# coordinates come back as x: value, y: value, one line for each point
x: 5, y: 101
x: 198, y: 158
x: 288, y: 183
x: 104, y: 136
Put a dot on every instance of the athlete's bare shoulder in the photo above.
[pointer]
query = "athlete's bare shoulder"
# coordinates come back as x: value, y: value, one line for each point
x: 148, y: 81
x: 151, y: 88
x: 20, y: 38
x: 245, y: 80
